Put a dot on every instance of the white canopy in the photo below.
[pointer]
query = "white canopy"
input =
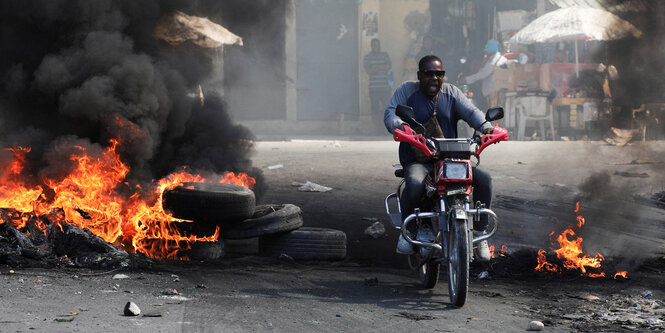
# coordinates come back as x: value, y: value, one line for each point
x: 573, y: 23
x: 179, y: 27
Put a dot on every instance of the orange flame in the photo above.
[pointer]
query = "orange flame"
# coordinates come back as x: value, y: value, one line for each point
x: 13, y: 193
x: 543, y: 265
x: 570, y: 252
x: 623, y: 274
x: 500, y: 253
x: 96, y: 195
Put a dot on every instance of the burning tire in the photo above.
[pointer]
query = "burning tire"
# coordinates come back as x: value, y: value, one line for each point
x: 306, y: 244
x: 210, y: 202
x: 206, y: 250
x: 267, y: 219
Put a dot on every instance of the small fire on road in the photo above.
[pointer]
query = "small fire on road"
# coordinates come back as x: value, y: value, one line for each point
x: 96, y: 195
x: 499, y: 253
x: 570, y: 253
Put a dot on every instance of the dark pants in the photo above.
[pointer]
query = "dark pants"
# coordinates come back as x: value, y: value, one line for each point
x: 379, y: 98
x: 414, y: 189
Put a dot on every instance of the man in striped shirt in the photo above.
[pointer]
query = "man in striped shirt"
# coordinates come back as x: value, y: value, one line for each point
x: 377, y: 65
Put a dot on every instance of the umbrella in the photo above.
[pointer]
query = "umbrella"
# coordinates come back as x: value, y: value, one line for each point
x: 575, y: 23
x: 178, y: 27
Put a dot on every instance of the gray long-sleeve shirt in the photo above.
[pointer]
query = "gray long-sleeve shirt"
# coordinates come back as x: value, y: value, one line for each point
x: 451, y: 107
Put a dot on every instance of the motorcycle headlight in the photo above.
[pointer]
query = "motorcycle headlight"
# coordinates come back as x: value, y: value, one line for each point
x: 456, y: 170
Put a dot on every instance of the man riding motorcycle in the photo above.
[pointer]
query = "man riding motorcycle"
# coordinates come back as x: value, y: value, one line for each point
x: 438, y: 106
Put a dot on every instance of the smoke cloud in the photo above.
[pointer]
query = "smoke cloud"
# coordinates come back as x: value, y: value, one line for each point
x: 616, y: 226
x: 85, y: 72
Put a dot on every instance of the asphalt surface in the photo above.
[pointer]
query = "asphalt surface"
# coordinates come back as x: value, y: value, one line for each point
x: 536, y: 186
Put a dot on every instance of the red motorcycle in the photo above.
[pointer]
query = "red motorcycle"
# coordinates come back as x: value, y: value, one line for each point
x: 441, y: 229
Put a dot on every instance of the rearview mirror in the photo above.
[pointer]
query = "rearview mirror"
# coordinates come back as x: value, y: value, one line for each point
x: 405, y: 112
x: 494, y: 114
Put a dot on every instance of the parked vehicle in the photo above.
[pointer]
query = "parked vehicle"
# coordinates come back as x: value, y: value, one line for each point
x: 441, y: 229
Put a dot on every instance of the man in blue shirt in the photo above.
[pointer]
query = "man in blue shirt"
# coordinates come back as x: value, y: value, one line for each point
x: 430, y: 96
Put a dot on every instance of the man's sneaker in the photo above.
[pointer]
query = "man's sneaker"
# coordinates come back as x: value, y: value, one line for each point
x: 404, y: 247
x: 482, y: 249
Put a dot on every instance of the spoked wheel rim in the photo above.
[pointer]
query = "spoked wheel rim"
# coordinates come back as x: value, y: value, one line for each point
x: 458, y: 262
x: 453, y: 264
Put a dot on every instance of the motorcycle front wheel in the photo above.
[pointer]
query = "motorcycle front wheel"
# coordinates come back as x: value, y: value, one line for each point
x: 458, y: 262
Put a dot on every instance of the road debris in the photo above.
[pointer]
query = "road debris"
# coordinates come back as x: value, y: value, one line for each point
x: 632, y: 174
x: 634, y: 162
x: 170, y: 292
x: 590, y: 298
x: 633, y: 313
x: 334, y: 144
x: 483, y: 275
x: 311, y: 187
x: 536, y: 325
x: 276, y: 166
x: 120, y: 276
x: 131, y: 309
x: 175, y: 278
x: 371, y: 281
x: 621, y: 137
x: 63, y: 320
x: 414, y: 316
x: 286, y: 258
x: 376, y: 230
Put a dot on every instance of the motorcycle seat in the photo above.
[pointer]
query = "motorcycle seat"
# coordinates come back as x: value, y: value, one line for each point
x: 399, y: 173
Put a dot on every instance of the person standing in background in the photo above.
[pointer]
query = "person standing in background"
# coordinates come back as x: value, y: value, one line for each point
x: 493, y: 59
x: 378, y: 66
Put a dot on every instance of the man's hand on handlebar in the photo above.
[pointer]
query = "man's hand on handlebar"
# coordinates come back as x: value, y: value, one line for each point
x: 401, y: 127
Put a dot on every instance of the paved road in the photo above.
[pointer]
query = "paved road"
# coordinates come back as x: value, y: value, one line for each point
x: 536, y: 186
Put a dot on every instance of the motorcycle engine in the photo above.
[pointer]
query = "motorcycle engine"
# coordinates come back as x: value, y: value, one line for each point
x: 425, y: 234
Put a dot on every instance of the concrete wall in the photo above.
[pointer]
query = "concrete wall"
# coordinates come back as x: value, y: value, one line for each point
x: 395, y: 40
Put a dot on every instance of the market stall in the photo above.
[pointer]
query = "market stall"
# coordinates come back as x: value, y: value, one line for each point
x: 565, y: 95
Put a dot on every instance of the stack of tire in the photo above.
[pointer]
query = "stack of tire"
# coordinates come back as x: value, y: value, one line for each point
x: 233, y: 208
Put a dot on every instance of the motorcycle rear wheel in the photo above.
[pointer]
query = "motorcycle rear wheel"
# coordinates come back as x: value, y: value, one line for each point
x: 428, y: 273
x: 458, y: 262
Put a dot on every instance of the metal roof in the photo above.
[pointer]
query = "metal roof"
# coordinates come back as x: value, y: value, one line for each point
x: 609, y: 5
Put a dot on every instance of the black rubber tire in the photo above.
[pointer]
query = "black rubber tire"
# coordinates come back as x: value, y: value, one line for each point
x: 428, y: 273
x: 266, y: 220
x: 458, y: 263
x: 210, y: 202
x: 204, y: 251
x: 306, y: 244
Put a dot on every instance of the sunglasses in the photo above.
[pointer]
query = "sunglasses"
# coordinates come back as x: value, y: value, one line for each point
x: 430, y: 74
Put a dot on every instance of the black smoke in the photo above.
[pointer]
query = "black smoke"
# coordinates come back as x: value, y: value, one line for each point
x: 85, y: 72
x: 618, y: 224
x: 640, y: 62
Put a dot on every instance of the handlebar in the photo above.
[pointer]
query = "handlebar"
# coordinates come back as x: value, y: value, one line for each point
x: 498, y: 134
x: 418, y: 140
x: 411, y: 137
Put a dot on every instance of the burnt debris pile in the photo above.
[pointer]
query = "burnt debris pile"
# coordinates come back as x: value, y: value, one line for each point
x: 39, y: 242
